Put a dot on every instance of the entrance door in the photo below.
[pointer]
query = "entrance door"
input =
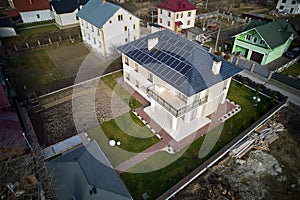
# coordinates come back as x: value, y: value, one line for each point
x: 257, y: 57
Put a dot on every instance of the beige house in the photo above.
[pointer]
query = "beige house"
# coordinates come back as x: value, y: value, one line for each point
x: 184, y: 83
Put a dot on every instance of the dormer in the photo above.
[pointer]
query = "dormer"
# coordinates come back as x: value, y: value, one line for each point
x: 216, y: 66
x: 152, y: 42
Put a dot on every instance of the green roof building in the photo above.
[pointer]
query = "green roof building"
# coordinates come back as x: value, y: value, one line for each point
x: 264, y: 42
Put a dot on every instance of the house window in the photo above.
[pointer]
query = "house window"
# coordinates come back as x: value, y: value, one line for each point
x: 169, y: 14
x: 133, y: 26
x: 94, y: 40
x: 188, y: 22
x: 136, y: 67
x: 82, y: 22
x: 98, y: 32
x: 150, y: 77
x: 100, y: 46
x: 87, y: 25
x: 169, y: 23
x: 177, y: 16
x: 120, y: 17
x: 125, y: 28
x: 293, y: 2
x: 292, y: 9
x: 160, y: 20
x: 283, y: 1
x: 134, y: 38
x: 77, y: 18
x: 248, y: 37
x: 137, y: 83
x: 281, y: 7
x: 89, y: 36
x: 189, y: 14
x: 126, y: 39
x: 38, y: 16
x: 160, y: 11
x: 130, y: 18
x: 92, y: 28
x: 127, y: 76
x: 181, y: 15
x: 262, y: 42
x: 126, y: 60
x: 255, y: 39
x: 110, y: 21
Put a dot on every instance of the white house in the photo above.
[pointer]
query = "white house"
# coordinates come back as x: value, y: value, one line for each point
x: 176, y: 15
x: 105, y: 26
x: 183, y: 82
x: 288, y: 6
x: 30, y: 10
x: 64, y: 11
x: 7, y: 28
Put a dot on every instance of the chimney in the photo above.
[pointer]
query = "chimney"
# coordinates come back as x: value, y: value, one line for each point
x: 216, y: 66
x: 103, y: 1
x: 30, y: 2
x: 152, y: 41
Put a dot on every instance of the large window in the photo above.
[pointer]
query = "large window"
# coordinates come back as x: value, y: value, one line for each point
x: 248, y: 37
x: 169, y: 14
x: 255, y: 40
x: 293, y: 2
x: 125, y: 28
x: 120, y: 17
x: 262, y: 42
x: 283, y: 1
x: 189, y: 14
x: 169, y: 23
x: 188, y: 22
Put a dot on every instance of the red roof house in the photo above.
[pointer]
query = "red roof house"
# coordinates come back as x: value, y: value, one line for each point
x: 177, y: 5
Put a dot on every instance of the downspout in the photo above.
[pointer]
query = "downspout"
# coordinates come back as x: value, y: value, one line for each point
x: 103, y: 43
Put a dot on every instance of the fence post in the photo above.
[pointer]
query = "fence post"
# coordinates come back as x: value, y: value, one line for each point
x: 60, y: 38
x: 270, y: 75
x: 27, y: 45
x: 50, y: 41
x: 15, y: 47
x: 39, y: 43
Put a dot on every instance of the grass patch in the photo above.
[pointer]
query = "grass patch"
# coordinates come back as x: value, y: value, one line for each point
x: 157, y: 182
x: 293, y: 70
x: 133, y: 134
x: 120, y: 91
x: 33, y: 69
x: 36, y: 30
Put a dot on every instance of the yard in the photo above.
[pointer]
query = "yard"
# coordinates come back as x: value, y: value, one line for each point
x: 293, y: 71
x: 157, y: 182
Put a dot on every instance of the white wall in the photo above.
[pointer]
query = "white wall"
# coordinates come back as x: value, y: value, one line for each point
x: 66, y: 18
x: 32, y: 16
x: 287, y: 6
x: 7, y: 32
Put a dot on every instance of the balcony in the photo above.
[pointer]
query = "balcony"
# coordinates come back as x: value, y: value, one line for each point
x: 172, y: 103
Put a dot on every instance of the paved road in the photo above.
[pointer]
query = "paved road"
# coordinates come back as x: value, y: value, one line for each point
x: 292, y: 94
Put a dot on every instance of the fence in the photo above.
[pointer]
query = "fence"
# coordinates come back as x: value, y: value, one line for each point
x: 287, y: 65
x: 286, y: 80
x: 215, y: 158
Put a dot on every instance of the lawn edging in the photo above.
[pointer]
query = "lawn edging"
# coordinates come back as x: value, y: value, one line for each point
x: 220, y: 154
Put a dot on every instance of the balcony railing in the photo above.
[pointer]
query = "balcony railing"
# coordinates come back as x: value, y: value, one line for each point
x: 172, y: 109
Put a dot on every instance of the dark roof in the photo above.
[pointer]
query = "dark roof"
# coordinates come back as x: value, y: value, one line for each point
x: 77, y: 172
x: 178, y: 61
x: 25, y: 5
x: 4, y: 102
x: 177, y: 5
x: 5, y: 22
x: 274, y: 33
x: 97, y: 13
x: 67, y: 6
x: 196, y: 30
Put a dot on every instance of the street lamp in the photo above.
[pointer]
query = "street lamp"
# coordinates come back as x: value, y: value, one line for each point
x: 256, y: 100
x: 27, y: 141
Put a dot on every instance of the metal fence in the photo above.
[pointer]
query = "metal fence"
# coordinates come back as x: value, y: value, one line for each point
x: 286, y: 80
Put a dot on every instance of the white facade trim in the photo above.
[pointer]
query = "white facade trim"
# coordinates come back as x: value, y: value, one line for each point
x: 36, y: 16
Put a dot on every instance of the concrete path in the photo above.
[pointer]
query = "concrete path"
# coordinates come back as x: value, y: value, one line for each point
x: 292, y: 94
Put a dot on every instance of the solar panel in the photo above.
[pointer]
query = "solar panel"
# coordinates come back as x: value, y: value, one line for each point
x: 160, y: 68
x: 165, y: 71
x: 180, y: 66
x: 175, y: 78
x: 169, y: 61
x: 174, y: 64
x: 185, y: 69
x: 180, y: 80
x: 188, y: 48
x: 172, y: 41
x: 165, y: 58
x: 140, y: 56
x: 170, y: 74
x: 160, y: 55
x: 179, y: 44
x: 186, y: 55
x: 146, y: 57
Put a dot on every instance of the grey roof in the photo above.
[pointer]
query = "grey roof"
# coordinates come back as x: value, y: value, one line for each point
x: 6, y: 22
x: 97, y: 13
x: 77, y: 172
x: 178, y: 61
x: 196, y: 30
x: 67, y: 6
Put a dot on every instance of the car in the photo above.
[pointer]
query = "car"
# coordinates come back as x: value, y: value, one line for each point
x: 293, y: 53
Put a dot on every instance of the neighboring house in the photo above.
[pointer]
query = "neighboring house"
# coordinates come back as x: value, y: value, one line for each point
x: 105, y: 26
x: 7, y: 28
x: 65, y: 11
x: 264, y: 42
x: 184, y: 83
x: 288, y: 6
x: 30, y: 10
x: 85, y: 173
x: 176, y: 15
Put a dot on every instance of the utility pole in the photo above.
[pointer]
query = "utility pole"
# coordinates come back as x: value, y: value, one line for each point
x: 206, y: 5
x: 218, y: 35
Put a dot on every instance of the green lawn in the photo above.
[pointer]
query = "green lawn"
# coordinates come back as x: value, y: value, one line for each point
x: 293, y: 70
x: 33, y: 69
x: 120, y: 91
x: 37, y: 30
x: 157, y: 182
x: 133, y: 134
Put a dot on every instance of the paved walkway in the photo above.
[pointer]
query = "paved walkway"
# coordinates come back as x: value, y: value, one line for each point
x: 166, y: 139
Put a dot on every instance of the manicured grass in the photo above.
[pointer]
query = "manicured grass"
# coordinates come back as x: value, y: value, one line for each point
x: 36, y: 30
x: 157, y: 182
x: 33, y: 69
x: 120, y: 91
x: 133, y: 134
x: 293, y: 70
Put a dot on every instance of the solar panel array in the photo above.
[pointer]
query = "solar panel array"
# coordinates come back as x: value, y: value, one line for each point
x: 168, y: 59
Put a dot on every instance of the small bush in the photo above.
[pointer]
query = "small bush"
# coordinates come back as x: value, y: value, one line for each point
x: 227, y: 57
